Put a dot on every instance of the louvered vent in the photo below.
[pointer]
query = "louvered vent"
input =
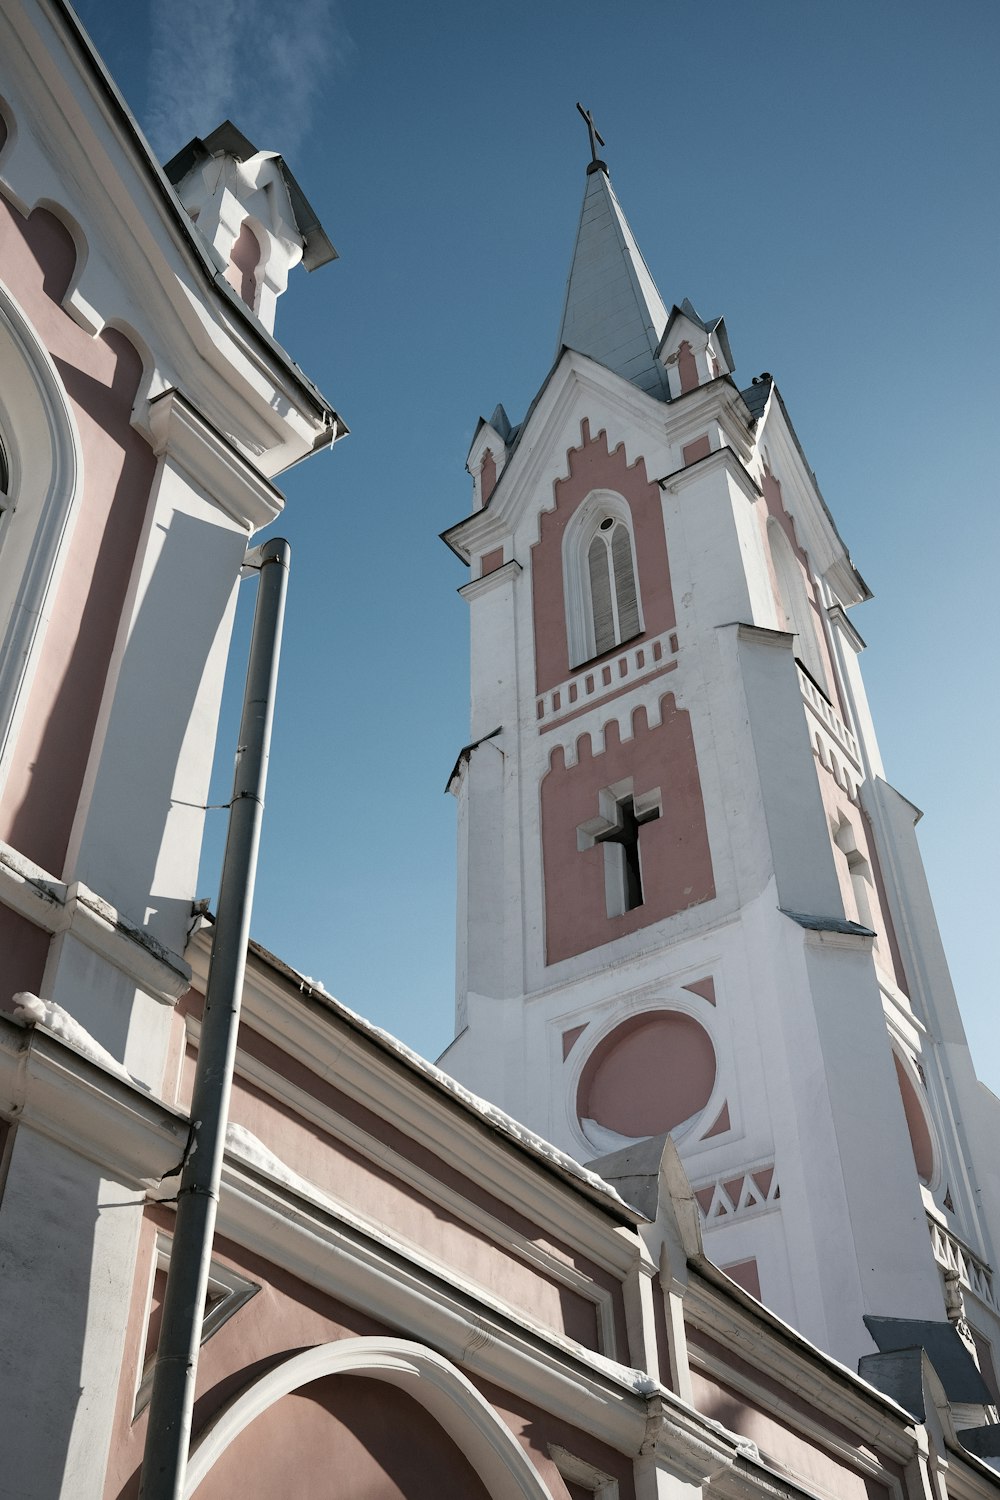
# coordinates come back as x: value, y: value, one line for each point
x: 628, y: 603
x: 601, y: 597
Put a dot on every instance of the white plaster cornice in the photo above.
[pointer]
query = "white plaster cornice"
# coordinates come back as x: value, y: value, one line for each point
x: 183, y: 436
x: 49, y: 1087
x: 56, y: 907
x: 346, y: 1263
x: 142, y: 267
x: 720, y: 458
x: 616, y: 1405
x: 311, y: 1031
x: 816, y: 527
x: 784, y: 1356
x: 839, y: 617
x: 505, y: 574
x: 459, y: 1205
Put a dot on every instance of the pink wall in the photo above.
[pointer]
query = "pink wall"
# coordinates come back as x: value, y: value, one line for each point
x: 536, y: 1430
x: 348, y: 1175
x: 491, y: 561
x: 700, y: 447
x: 593, y: 467
x: 24, y: 948
x: 916, y: 1124
x: 775, y: 1435
x: 333, y: 1416
x: 687, y: 367
x: 101, y: 377
x: 674, y: 852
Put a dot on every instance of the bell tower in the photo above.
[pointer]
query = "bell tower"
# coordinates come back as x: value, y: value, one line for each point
x: 690, y: 902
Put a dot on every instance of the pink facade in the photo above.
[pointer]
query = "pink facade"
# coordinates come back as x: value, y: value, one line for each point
x: 101, y: 376
x: 591, y: 467
x: 676, y: 860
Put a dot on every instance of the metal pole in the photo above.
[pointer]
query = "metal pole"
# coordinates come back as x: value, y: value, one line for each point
x: 169, y: 1430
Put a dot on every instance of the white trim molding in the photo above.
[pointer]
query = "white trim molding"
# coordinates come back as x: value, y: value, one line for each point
x: 184, y: 437
x: 46, y: 483
x: 56, y: 907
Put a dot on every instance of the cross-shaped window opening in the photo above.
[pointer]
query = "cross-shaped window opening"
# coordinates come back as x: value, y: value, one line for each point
x: 623, y: 815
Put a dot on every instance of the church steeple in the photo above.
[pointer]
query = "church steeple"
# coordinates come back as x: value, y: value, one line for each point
x: 613, y: 311
x: 690, y: 902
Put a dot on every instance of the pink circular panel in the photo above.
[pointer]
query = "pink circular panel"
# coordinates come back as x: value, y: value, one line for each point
x: 651, y: 1074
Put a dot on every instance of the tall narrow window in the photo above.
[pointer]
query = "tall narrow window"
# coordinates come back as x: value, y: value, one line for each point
x: 613, y: 596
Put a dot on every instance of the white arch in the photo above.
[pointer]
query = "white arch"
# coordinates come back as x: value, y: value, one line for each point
x: 43, y: 447
x: 443, y: 1391
x: 576, y: 572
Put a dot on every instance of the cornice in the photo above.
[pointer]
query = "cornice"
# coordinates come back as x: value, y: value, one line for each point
x: 618, y: 1406
x: 459, y: 1205
x: 817, y: 528
x: 183, y: 435
x: 50, y: 1088
x: 505, y: 574
x: 56, y: 907
x: 838, y: 615
x: 338, y: 1258
x: 719, y: 401
x: 720, y: 458
x: 301, y: 1025
x: 142, y: 266
x: 784, y: 1356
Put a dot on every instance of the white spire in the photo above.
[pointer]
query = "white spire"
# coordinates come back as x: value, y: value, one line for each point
x: 613, y: 311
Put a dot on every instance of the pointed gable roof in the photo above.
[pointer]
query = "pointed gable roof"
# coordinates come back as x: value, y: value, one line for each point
x: 613, y: 311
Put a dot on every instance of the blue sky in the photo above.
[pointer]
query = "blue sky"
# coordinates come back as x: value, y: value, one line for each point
x: 823, y: 175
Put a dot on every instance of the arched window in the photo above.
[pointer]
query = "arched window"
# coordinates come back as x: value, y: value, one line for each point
x: 603, y: 609
x: 613, y: 600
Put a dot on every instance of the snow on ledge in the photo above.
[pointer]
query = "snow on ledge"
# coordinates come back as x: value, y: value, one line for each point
x: 34, y: 1011
x: 250, y: 1149
x: 497, y: 1119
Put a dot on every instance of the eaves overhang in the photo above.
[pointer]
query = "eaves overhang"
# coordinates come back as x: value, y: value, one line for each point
x: 187, y: 237
x: 788, y: 1356
x: 848, y: 570
x: 426, y: 1075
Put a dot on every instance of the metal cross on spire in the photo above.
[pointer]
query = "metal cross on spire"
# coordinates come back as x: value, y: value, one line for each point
x: 596, y: 139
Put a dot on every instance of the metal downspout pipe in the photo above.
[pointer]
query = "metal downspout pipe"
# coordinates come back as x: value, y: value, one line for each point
x: 169, y: 1429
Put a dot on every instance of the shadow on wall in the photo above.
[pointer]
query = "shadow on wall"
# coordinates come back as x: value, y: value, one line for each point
x: 137, y: 786
x: 47, y: 1304
x: 118, y: 472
